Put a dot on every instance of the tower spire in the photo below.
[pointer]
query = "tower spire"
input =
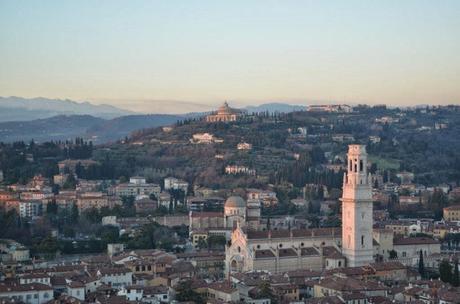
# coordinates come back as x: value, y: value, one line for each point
x: 357, y: 219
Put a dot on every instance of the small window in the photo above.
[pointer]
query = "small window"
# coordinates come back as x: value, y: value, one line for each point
x: 360, y: 166
x: 362, y: 241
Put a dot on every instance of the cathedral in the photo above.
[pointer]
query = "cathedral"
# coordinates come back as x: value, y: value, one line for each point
x: 355, y: 244
x: 224, y: 114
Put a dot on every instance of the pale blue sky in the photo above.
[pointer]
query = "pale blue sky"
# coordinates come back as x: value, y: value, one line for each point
x: 139, y: 54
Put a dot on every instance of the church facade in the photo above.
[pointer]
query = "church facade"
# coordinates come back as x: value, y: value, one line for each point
x: 283, y: 250
x: 355, y: 244
x: 224, y: 114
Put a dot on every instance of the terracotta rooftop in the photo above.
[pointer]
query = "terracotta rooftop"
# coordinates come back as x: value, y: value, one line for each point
x: 349, y: 284
x: 332, y: 252
x: 295, y: 233
x: 309, y: 251
x: 23, y: 287
x: 415, y: 241
x: 387, y: 266
x: 206, y: 214
x: 264, y: 254
x: 222, y: 287
x: 454, y: 207
x: 288, y: 252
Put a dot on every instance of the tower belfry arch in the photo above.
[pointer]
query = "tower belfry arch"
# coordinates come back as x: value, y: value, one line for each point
x: 357, y: 221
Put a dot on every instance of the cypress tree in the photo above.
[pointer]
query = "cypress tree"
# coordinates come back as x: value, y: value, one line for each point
x: 456, y: 276
x: 421, y: 266
x: 445, y: 271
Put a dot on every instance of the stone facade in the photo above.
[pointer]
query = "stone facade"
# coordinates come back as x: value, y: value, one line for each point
x: 357, y: 209
x: 279, y: 250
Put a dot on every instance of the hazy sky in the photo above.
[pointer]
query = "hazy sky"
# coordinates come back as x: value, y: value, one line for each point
x: 145, y: 55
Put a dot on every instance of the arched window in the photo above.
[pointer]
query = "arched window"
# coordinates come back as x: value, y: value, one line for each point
x: 362, y: 241
x: 360, y: 165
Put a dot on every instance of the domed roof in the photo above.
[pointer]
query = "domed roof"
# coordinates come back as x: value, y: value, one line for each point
x: 235, y: 202
x: 225, y: 109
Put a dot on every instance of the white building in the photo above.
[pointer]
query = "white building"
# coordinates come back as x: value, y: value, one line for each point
x: 13, y: 251
x: 29, y: 209
x: 235, y: 169
x: 205, y: 138
x: 34, y: 293
x: 116, y: 276
x: 29, y: 278
x: 146, y: 294
x: 266, y: 197
x: 357, y: 209
x: 137, y: 180
x: 172, y: 183
x: 76, y: 289
x: 137, y: 186
x: 244, y: 146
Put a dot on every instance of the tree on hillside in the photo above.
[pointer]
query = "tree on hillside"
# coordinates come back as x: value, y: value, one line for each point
x: 74, y: 214
x: 185, y: 293
x: 51, y: 207
x: 445, y: 271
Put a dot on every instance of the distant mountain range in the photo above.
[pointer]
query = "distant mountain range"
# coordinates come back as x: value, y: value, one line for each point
x: 22, y: 109
x: 45, y: 119
x: 97, y: 129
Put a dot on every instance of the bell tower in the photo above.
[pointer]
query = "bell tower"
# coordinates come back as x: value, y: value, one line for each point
x: 357, y: 209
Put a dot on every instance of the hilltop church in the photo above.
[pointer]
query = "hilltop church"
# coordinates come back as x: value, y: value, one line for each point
x: 355, y: 244
x: 224, y: 114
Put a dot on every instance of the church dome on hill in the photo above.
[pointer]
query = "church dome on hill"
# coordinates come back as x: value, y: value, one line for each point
x: 224, y: 114
x: 235, y: 202
x: 225, y: 109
